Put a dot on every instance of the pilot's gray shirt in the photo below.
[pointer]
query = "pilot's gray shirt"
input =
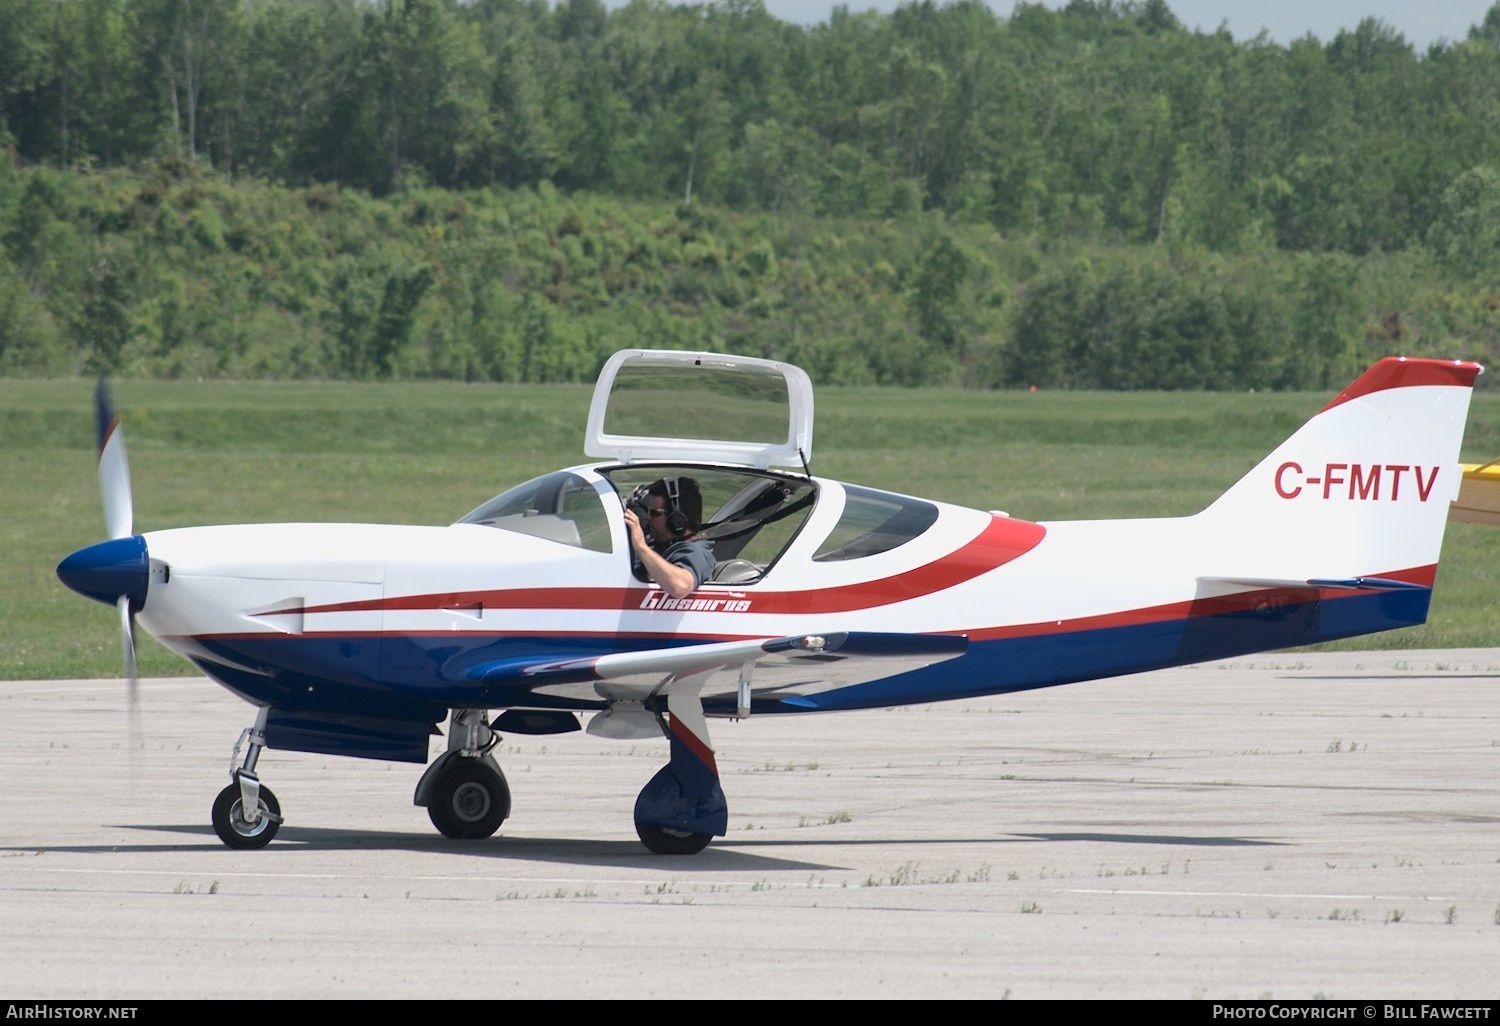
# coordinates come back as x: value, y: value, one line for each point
x: 697, y: 554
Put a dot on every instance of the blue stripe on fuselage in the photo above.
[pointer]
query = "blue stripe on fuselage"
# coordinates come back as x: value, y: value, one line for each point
x: 418, y: 674
x: 1047, y: 660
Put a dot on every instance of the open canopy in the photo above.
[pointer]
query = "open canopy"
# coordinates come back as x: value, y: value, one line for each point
x: 654, y: 404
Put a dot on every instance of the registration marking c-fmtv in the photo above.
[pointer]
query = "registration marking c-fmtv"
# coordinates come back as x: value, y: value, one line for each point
x: 1360, y: 482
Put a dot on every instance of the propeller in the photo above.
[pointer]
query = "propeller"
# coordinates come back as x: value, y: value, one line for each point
x: 119, y: 509
x: 116, y: 571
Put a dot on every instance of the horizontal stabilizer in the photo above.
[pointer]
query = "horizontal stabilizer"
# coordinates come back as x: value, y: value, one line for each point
x: 1315, y: 583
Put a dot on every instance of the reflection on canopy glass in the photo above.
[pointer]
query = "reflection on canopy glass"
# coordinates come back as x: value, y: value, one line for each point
x: 700, y: 403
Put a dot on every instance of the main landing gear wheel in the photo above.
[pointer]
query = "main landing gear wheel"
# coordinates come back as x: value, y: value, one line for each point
x: 665, y: 841
x: 229, y: 818
x: 469, y: 800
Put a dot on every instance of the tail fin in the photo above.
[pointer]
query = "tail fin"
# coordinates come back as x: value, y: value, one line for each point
x: 1359, y: 496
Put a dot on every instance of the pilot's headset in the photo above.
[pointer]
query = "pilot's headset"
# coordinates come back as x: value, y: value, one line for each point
x: 677, y: 521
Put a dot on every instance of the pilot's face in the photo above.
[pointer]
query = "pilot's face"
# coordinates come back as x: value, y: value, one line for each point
x: 656, y: 518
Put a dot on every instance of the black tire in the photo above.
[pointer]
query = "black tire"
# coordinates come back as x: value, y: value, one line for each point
x: 229, y: 820
x: 664, y: 841
x: 469, y: 800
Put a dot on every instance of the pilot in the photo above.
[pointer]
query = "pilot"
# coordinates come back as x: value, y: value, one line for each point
x: 670, y: 546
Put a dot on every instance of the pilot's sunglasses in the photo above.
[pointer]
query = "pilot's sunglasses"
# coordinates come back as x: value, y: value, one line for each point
x: 657, y: 512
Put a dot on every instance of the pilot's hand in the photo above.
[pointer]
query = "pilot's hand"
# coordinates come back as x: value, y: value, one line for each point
x: 634, y: 529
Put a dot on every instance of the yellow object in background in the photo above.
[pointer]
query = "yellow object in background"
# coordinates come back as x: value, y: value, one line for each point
x: 1478, y: 499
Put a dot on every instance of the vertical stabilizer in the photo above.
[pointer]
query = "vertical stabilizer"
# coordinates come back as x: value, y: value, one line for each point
x: 1362, y: 490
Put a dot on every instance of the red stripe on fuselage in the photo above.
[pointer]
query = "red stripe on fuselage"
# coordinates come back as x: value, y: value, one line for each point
x: 1001, y: 541
x: 1185, y: 610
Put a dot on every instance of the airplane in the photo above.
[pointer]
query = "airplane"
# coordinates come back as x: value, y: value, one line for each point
x: 526, y: 615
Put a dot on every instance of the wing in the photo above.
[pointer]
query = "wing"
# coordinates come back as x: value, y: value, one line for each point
x: 773, y: 668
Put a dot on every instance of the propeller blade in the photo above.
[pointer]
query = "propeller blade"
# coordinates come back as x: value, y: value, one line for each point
x: 132, y: 703
x: 114, y: 467
x: 127, y: 637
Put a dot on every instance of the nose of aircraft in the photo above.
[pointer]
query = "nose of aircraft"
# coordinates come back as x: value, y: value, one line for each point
x: 109, y: 570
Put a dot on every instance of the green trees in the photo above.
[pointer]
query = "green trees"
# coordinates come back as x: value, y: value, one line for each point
x: 1465, y: 233
x: 1090, y: 196
x: 188, y: 273
x: 1101, y: 120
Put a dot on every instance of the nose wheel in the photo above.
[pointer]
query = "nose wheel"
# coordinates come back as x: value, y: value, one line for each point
x: 235, y: 824
x: 246, y: 815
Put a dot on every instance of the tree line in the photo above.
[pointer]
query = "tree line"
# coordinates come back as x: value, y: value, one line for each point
x: 505, y: 189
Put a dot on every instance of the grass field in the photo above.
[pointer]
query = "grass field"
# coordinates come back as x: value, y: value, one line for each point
x: 428, y: 453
